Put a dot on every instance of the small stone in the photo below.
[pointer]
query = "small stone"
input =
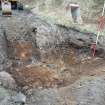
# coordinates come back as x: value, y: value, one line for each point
x: 20, y: 98
x: 0, y: 83
x: 103, y: 70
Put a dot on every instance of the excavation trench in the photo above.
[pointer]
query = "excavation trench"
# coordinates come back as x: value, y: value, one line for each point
x: 60, y: 66
x: 46, y: 58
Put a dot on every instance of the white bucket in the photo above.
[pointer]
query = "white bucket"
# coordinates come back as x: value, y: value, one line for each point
x: 6, y: 7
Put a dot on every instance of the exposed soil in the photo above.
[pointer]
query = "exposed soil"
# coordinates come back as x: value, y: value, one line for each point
x: 58, y: 68
x: 37, y: 77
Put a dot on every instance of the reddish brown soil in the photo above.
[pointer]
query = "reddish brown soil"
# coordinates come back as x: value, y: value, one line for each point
x: 67, y: 68
x: 36, y: 77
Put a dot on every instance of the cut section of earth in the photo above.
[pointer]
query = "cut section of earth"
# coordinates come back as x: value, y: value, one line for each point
x: 58, y: 68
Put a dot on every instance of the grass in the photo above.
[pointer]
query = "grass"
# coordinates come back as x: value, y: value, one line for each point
x: 59, y: 16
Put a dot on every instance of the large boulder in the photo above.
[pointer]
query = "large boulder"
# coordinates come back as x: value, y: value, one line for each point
x: 7, y: 81
x: 6, y: 97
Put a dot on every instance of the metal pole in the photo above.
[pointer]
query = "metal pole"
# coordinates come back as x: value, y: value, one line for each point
x: 99, y: 31
x: 103, y: 9
x: 94, y: 45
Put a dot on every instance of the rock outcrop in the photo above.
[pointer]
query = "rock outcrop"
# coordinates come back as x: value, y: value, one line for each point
x: 86, y: 91
x: 37, y: 37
